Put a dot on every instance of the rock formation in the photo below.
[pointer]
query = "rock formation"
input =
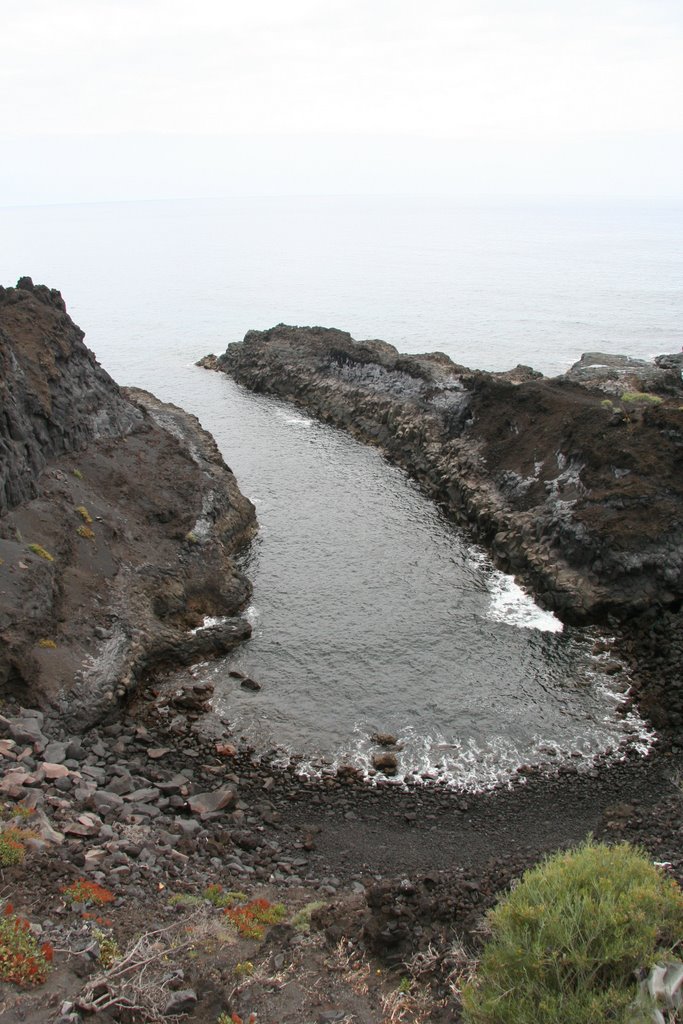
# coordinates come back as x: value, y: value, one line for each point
x: 118, y: 517
x: 575, y: 484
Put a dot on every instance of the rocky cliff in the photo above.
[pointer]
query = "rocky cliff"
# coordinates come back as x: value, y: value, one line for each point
x: 575, y: 484
x: 118, y: 518
x: 54, y: 396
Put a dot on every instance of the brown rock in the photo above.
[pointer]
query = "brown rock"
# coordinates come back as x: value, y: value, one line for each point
x: 217, y: 800
x: 384, y: 739
x: 54, y: 771
x: 226, y: 750
x: 386, y: 762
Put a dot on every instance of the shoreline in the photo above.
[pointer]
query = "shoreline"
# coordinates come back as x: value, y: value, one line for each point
x: 390, y: 871
x: 128, y: 787
x: 568, y: 482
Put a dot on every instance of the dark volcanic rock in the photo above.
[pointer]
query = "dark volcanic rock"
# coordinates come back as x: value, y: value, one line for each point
x: 575, y: 484
x: 55, y: 398
x: 118, y: 517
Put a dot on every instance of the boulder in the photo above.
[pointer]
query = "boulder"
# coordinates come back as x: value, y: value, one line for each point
x: 216, y: 800
x: 385, y: 762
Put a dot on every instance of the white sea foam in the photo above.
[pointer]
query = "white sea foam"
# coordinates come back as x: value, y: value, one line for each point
x: 510, y: 604
x: 252, y: 615
x: 208, y: 622
x: 293, y: 419
x: 465, y: 766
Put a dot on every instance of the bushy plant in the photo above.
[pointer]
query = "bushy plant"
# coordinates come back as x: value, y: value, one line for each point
x: 84, y: 514
x: 11, y: 848
x: 301, y: 921
x: 23, y: 960
x: 252, y: 919
x: 565, y: 943
x: 83, y: 891
x: 109, y: 949
x: 216, y: 895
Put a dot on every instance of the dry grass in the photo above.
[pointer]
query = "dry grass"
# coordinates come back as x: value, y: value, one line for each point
x: 139, y: 982
x: 414, y: 1007
x: 352, y: 964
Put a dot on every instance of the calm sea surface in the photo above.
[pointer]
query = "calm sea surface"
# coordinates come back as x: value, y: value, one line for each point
x: 370, y: 611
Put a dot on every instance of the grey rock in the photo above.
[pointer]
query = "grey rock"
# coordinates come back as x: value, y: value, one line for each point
x: 102, y: 801
x: 144, y: 810
x: 74, y: 749
x: 27, y: 730
x: 121, y: 785
x: 143, y: 796
x: 250, y: 684
x: 55, y: 752
x: 177, y: 784
x: 33, y: 713
x: 183, y: 1001
x: 189, y: 826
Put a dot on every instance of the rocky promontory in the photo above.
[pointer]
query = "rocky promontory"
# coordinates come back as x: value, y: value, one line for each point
x: 574, y: 483
x: 118, y: 518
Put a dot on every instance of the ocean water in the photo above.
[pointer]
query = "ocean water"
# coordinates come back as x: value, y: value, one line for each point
x: 371, y: 612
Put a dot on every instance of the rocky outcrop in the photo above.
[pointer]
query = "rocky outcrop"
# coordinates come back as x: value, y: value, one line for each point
x: 573, y: 483
x: 54, y: 396
x: 119, y: 521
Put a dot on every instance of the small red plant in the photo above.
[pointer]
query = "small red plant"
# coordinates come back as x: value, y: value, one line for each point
x: 11, y: 848
x: 252, y: 919
x: 22, y: 960
x: 83, y: 891
x: 105, y: 921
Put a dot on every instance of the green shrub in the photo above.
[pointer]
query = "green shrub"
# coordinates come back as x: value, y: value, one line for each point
x: 641, y: 396
x: 215, y: 894
x: 302, y: 919
x: 253, y: 918
x: 184, y: 899
x: 109, y: 949
x: 40, y: 551
x: 566, y: 941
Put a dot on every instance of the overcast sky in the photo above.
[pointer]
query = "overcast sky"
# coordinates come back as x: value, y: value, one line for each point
x: 157, y: 98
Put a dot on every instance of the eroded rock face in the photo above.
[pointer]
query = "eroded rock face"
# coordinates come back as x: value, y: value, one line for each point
x: 119, y: 517
x: 575, y: 483
x: 55, y: 397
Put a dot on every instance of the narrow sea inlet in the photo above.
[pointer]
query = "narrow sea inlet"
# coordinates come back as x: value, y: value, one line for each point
x: 370, y: 611
x: 373, y: 614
